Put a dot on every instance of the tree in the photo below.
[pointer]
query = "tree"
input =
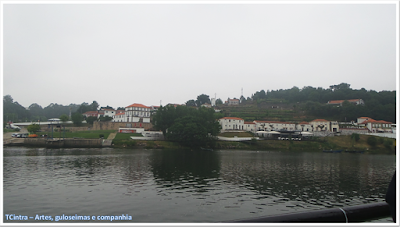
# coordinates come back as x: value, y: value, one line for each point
x: 188, y: 126
x: 64, y: 118
x: 218, y: 102
x: 105, y: 118
x: 91, y: 119
x: 33, y: 128
x: 355, y: 137
x: 191, y: 103
x: 77, y: 118
x: 201, y: 99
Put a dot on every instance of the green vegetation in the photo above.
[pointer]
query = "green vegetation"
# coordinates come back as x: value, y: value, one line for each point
x: 33, y: 128
x: 187, y: 126
x: 64, y: 118
x: 355, y: 137
x: 77, y: 119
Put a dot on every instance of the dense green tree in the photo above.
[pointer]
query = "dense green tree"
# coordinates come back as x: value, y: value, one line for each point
x: 13, y: 111
x: 202, y: 99
x: 105, y: 118
x: 77, y: 118
x: 191, y: 103
x: 218, y: 102
x: 64, y: 118
x: 91, y: 119
x: 188, y: 126
x: 33, y: 128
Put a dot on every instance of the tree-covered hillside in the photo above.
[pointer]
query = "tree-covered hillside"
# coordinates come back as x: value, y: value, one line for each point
x: 309, y: 102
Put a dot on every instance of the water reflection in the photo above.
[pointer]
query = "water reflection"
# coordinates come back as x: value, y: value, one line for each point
x: 188, y: 186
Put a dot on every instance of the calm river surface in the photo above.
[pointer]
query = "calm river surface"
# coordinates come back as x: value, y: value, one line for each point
x: 186, y: 186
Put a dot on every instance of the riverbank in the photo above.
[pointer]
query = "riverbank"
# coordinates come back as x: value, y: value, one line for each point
x: 317, y: 144
x: 382, y: 146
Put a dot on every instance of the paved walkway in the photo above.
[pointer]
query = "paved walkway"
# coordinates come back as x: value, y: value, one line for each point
x: 108, y: 141
x: 112, y: 136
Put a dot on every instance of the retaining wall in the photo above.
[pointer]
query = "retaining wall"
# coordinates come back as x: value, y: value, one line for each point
x: 42, y: 142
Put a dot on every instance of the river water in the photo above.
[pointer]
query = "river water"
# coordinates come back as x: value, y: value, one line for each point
x: 175, y: 186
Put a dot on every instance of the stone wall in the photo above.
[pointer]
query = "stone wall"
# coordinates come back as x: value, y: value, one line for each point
x: 349, y: 131
x: 72, y: 143
x: 116, y: 125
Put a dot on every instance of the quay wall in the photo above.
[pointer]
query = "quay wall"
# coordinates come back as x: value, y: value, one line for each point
x: 72, y: 143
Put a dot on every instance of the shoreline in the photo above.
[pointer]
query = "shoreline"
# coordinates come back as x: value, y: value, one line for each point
x: 259, y: 145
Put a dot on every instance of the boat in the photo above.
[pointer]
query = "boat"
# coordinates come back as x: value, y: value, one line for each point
x: 332, y: 151
x: 358, y: 152
x: 206, y: 149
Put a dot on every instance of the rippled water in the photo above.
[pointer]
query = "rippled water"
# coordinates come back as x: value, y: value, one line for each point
x: 187, y: 186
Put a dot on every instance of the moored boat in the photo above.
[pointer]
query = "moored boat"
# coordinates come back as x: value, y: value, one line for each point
x: 332, y: 151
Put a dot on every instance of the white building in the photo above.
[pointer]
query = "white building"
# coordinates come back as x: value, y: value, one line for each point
x: 304, y: 126
x: 231, y: 123
x: 320, y: 125
x: 119, y: 116
x: 250, y: 126
x: 231, y: 102
x: 274, y: 126
x: 136, y: 111
x: 107, y: 112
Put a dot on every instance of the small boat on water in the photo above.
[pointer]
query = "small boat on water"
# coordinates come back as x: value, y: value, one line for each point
x: 332, y: 151
x: 206, y: 149
x: 357, y: 152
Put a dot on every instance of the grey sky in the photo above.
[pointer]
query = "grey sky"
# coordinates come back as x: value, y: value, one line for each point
x: 119, y: 54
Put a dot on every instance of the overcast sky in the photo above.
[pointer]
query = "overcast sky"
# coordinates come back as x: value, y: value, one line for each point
x: 119, y: 54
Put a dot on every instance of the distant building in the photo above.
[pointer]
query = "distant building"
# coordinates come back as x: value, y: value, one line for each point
x: 375, y: 126
x: 320, y: 125
x: 231, y: 102
x: 231, y: 123
x: 207, y: 105
x: 340, y: 102
x: 91, y: 114
x: 274, y: 126
x: 137, y: 112
x: 304, y: 126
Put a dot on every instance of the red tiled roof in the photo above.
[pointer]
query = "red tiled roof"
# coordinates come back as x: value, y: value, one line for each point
x: 375, y: 121
x: 123, y: 113
x: 91, y: 112
x: 275, y: 122
x: 304, y: 123
x: 249, y: 122
x: 137, y: 105
x: 340, y: 101
x: 319, y: 120
x: 232, y: 118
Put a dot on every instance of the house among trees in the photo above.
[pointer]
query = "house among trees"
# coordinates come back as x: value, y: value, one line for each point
x: 340, y: 102
x: 231, y: 102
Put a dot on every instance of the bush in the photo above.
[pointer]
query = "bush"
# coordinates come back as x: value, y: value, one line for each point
x: 372, y: 141
x: 388, y: 143
x: 355, y: 137
x: 101, y: 135
x: 381, y: 140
